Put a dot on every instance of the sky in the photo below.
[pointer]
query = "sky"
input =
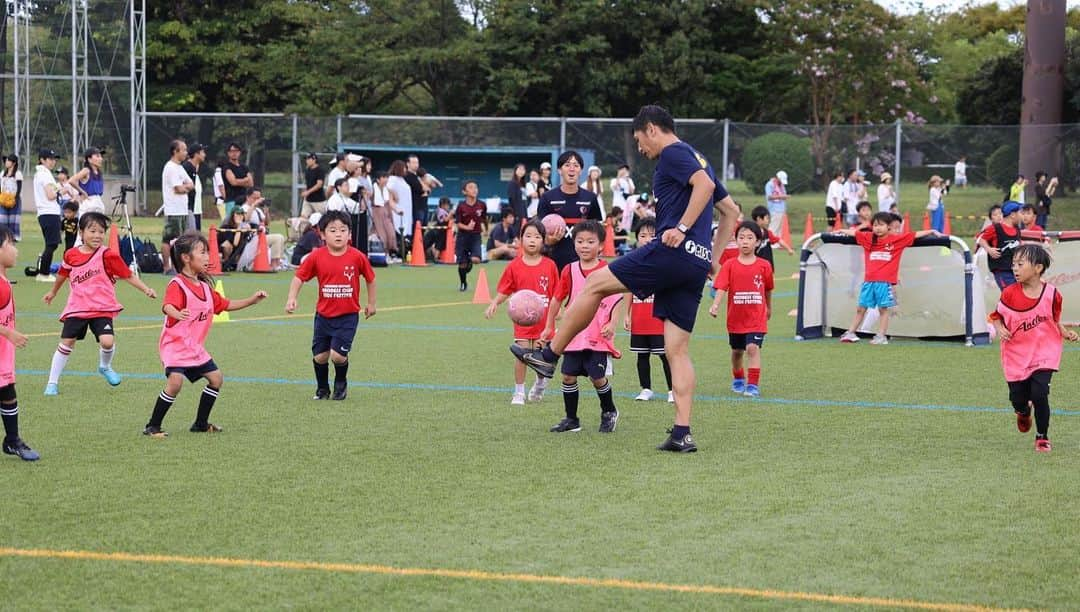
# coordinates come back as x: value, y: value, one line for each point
x: 910, y: 6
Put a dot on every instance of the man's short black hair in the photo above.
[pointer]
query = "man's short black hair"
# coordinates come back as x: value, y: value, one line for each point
x: 656, y: 115
x: 567, y: 155
x: 759, y: 212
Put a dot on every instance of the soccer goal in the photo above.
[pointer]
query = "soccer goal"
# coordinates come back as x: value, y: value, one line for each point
x: 935, y: 294
x: 1064, y: 273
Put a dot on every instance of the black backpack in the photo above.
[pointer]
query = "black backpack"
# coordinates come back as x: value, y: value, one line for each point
x: 149, y: 259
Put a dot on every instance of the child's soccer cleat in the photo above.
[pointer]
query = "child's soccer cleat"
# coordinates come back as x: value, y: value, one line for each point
x: 463, y: 287
x: 535, y: 393
x: 534, y: 358
x: 671, y: 397
x: 154, y: 432
x: 1023, y: 422
x: 566, y: 425
x: 52, y: 389
x: 849, y: 337
x: 204, y: 428
x: 1042, y: 445
x: 879, y: 339
x: 110, y: 375
x: 321, y: 394
x: 684, y: 445
x: 752, y: 391
x: 738, y: 385
x: 608, y: 421
x: 518, y: 399
x: 644, y: 396
x: 19, y: 448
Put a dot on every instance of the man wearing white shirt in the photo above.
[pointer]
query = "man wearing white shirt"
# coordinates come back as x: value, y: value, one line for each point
x: 834, y: 199
x: 960, y: 172
x: 338, y: 169
x: 46, y: 191
x: 776, y: 200
x: 175, y: 185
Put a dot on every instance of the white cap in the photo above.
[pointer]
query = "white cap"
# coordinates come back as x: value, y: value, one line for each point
x: 597, y: 168
x: 782, y: 176
x: 315, y: 218
x: 545, y: 166
x: 353, y: 157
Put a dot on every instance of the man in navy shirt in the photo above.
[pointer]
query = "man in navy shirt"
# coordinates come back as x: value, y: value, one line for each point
x: 673, y: 268
x: 572, y: 203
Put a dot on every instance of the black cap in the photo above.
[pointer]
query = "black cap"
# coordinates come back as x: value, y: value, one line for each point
x: 47, y: 154
x: 339, y: 158
x: 311, y: 156
x: 60, y: 169
x: 90, y: 151
x: 195, y: 148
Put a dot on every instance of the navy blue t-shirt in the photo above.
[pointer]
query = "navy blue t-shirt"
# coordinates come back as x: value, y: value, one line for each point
x: 672, y: 189
x: 573, y: 208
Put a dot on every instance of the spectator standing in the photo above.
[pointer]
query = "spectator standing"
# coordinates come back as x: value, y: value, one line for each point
x: 403, y: 195
x: 419, y: 194
x: 11, y: 183
x: 237, y: 178
x: 592, y: 183
x: 46, y: 200
x: 175, y: 186
x: 383, y: 212
x: 192, y: 165
x: 834, y: 198
x: 852, y: 188
x: 1016, y: 192
x: 515, y: 193
x: 360, y: 193
x: 219, y: 188
x: 776, y: 198
x: 1044, y: 190
x: 533, y: 191
x: 960, y: 172
x: 545, y: 176
x: 886, y: 194
x: 623, y: 194
x: 338, y: 169
x: 90, y: 182
x: 936, y: 203
x: 314, y: 192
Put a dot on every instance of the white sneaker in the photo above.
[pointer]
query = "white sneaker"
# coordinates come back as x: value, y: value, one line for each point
x: 45, y: 278
x: 644, y: 396
x: 879, y: 339
x: 536, y: 394
x: 518, y: 399
x: 849, y: 337
x: 671, y: 397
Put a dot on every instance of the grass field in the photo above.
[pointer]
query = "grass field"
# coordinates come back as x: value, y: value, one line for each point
x: 865, y: 476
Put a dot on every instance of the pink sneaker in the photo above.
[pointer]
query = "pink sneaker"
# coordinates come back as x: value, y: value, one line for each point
x: 1042, y: 445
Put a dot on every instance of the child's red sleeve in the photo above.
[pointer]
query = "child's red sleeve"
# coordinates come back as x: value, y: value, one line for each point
x: 221, y: 304
x: 723, y: 279
x: 506, y: 281
x: 563, y: 288
x: 115, y: 266
x: 1056, y: 307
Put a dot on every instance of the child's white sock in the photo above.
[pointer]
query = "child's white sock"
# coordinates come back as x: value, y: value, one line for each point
x: 105, y: 357
x: 59, y: 362
x: 519, y: 389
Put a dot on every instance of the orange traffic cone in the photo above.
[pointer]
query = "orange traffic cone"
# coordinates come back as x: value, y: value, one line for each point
x: 809, y: 231
x: 609, y: 240
x: 785, y: 230
x: 114, y: 240
x: 215, y: 255
x: 948, y: 226
x: 418, y: 259
x: 838, y: 224
x: 926, y: 220
x: 907, y: 222
x: 481, y: 295
x: 447, y: 256
x: 262, y: 256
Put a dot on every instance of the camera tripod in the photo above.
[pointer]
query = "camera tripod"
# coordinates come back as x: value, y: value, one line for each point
x: 120, y: 214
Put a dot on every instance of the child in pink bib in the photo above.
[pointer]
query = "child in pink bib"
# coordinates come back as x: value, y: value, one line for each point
x: 10, y: 339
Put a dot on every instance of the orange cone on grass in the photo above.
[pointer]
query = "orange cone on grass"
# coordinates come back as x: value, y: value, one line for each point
x: 447, y: 256
x: 785, y: 230
x: 838, y: 224
x: 262, y: 257
x: 418, y: 259
x: 214, y: 268
x: 926, y: 220
x: 481, y: 295
x: 809, y: 230
x: 948, y: 226
x: 609, y: 240
x: 907, y: 222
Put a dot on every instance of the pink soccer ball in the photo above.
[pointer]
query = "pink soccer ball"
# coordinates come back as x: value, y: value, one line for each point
x: 527, y: 307
x: 553, y: 223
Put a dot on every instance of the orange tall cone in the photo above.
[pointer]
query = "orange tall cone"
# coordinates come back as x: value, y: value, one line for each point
x: 418, y: 259
x: 262, y: 257
x: 907, y: 222
x: 785, y: 230
x: 609, y: 240
x: 447, y: 256
x: 839, y: 223
x: 114, y: 240
x: 948, y: 226
x: 926, y: 220
x: 481, y: 295
x: 809, y: 231
x: 215, y: 255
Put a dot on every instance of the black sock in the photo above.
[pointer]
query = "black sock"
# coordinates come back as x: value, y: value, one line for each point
x: 680, y: 431
x: 1042, y: 415
x: 644, y: 375
x: 461, y: 272
x: 10, y: 414
x: 322, y: 374
x: 206, y: 404
x: 468, y: 267
x: 667, y: 369
x: 341, y: 370
x: 164, y: 402
x: 607, y: 399
x: 570, y: 399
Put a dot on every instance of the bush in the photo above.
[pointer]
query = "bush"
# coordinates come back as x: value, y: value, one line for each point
x: 1002, y: 165
x: 767, y: 154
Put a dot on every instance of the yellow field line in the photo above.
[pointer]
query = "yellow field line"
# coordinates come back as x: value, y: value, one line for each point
x: 477, y: 575
x: 295, y: 315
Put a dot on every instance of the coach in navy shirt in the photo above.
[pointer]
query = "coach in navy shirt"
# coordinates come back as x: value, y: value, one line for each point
x: 673, y: 269
x: 572, y: 203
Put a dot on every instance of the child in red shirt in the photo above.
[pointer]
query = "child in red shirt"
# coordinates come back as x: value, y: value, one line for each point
x: 646, y: 330
x: 747, y: 283
x: 537, y: 273
x: 338, y: 266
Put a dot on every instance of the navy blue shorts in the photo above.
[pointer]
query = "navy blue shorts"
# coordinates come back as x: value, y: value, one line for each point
x: 671, y: 277
x: 1004, y: 278
x: 193, y: 373
x: 335, y: 333
x: 466, y: 247
x: 593, y: 364
x: 738, y: 342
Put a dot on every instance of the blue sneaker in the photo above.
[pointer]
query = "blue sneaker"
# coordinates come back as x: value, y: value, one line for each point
x: 738, y: 385
x: 19, y: 448
x: 110, y: 375
x: 752, y: 391
x: 52, y: 389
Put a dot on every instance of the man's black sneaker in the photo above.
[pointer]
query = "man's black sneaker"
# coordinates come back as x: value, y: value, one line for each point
x: 685, y: 445
x: 154, y: 432
x: 567, y: 425
x: 321, y: 394
x: 608, y: 421
x: 463, y: 287
x: 340, y: 391
x: 534, y: 358
x: 205, y: 428
x: 19, y: 448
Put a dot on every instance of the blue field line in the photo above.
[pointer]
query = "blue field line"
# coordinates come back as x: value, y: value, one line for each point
x: 505, y: 390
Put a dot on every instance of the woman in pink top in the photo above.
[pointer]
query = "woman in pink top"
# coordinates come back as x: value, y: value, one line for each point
x: 190, y: 306
x: 92, y: 269
x: 1028, y: 322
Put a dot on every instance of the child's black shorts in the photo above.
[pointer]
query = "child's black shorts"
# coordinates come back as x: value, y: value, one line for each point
x: 593, y: 364
x: 738, y: 342
x: 75, y: 327
x: 193, y: 373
